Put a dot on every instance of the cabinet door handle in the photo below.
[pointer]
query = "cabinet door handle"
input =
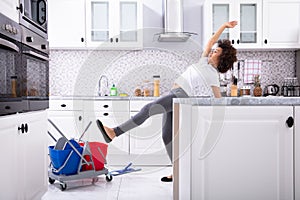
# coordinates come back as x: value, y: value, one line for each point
x: 238, y: 41
x: 266, y: 41
x: 111, y: 40
x: 26, y: 128
x: 290, y: 122
x: 82, y: 39
x: 117, y: 40
x: 105, y: 106
x: 21, y: 128
x: 20, y: 8
x: 63, y: 105
x: 232, y: 41
x: 80, y: 118
x: 105, y: 114
x: 7, y: 107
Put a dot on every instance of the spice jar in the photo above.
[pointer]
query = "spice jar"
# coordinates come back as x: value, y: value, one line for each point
x: 146, y: 88
x: 245, y: 90
x: 13, y: 80
x: 156, y: 81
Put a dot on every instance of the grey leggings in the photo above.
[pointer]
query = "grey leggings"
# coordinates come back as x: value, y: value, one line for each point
x: 163, y: 105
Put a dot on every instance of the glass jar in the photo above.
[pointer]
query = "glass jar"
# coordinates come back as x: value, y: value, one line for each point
x: 13, y: 80
x: 156, y: 81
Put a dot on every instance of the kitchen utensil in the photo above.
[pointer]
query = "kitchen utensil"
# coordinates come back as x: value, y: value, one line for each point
x: 271, y: 89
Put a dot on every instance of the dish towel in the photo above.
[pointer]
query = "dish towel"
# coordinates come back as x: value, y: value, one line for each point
x: 251, y: 68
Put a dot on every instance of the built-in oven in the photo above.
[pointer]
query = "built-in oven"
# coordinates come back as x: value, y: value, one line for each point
x: 35, y: 70
x: 33, y: 15
x: 10, y: 66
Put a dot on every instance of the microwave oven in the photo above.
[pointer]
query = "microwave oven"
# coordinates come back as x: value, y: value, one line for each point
x: 34, y: 16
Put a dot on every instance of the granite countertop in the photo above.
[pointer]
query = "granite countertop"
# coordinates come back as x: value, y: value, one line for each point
x: 270, y: 100
x: 243, y: 101
x: 104, y: 98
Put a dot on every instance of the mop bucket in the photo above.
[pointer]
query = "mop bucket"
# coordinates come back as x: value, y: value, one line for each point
x: 99, y: 152
x: 65, y: 161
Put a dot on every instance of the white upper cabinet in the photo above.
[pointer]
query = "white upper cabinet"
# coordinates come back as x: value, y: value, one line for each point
x: 66, y: 26
x: 248, y: 14
x: 9, y: 9
x: 114, y: 24
x: 101, y: 24
x: 281, y: 22
x: 261, y: 23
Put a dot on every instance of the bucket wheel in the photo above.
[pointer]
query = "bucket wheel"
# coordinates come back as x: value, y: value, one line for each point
x: 51, y: 181
x: 63, y: 186
x: 108, y: 177
x: 95, y: 179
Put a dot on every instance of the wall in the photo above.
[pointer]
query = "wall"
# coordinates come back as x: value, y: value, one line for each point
x: 77, y: 72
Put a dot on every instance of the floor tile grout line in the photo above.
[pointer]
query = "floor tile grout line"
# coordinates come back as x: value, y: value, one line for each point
x: 119, y: 188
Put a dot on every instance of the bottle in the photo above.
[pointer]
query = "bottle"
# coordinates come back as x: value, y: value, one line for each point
x: 13, y: 86
x: 113, y: 90
x: 234, y: 89
x: 156, y: 80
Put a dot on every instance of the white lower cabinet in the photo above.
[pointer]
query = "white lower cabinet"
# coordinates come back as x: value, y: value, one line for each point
x: 23, y: 170
x: 239, y: 152
x: 67, y: 115
x: 111, y: 114
x: 141, y: 146
x: 146, y: 144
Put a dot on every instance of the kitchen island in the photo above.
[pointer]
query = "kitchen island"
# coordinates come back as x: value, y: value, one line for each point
x: 236, y: 148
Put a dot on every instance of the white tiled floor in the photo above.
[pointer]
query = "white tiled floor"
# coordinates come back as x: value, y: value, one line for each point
x: 144, y: 184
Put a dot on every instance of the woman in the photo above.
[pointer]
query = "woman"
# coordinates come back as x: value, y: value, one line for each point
x: 200, y: 79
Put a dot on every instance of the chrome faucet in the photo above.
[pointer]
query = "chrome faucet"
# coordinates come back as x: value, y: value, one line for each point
x: 102, y: 92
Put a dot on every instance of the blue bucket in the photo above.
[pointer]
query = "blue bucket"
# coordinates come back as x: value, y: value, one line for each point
x: 58, y: 157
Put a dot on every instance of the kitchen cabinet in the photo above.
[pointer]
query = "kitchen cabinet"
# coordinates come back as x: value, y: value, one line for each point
x: 281, y: 23
x: 248, y: 13
x: 100, y: 24
x: 114, y: 24
x: 146, y: 144
x: 67, y: 115
x: 24, y: 167
x: 261, y: 24
x: 9, y: 9
x: 235, y: 152
x: 111, y: 114
x: 66, y: 26
x: 297, y: 152
x: 143, y: 144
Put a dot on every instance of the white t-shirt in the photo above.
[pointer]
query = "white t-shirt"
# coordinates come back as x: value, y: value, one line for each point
x: 198, y: 79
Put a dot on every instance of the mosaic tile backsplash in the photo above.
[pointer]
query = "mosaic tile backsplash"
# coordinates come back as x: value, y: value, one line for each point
x: 77, y: 72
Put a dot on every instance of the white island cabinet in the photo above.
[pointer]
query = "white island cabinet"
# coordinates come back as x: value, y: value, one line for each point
x: 297, y: 153
x: 235, y: 152
x: 23, y: 169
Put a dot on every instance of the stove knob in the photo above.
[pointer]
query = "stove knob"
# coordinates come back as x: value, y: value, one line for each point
x: 14, y: 30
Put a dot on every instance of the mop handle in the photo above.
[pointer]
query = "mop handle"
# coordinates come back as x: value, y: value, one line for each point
x: 78, y: 153
x: 85, y: 130
x: 52, y: 136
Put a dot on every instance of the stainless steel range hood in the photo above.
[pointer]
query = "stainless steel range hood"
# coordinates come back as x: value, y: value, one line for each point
x: 173, y: 23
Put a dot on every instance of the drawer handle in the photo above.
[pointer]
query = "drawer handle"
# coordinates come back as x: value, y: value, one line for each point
x: 105, y: 114
x: 63, y: 105
x: 105, y: 106
x: 290, y: 122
